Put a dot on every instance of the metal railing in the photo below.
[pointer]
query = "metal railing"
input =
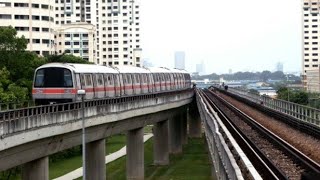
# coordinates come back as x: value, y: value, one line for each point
x: 14, y: 105
x: 300, y: 112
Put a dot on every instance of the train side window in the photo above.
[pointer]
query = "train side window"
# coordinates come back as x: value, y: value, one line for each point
x: 124, y: 77
x: 39, y: 78
x: 116, y: 80
x: 137, y: 78
x: 155, y: 77
x: 99, y: 79
x: 111, y: 79
x: 88, y: 80
x: 67, y: 78
x: 82, y: 79
x: 129, y: 79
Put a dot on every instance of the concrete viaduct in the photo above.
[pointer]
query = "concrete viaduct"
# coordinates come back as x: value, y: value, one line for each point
x: 30, y: 135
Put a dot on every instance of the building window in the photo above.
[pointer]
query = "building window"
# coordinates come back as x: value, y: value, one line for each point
x: 306, y: 65
x: 5, y: 16
x: 35, y: 5
x: 44, y: 6
x: 21, y: 5
x: 315, y: 65
x: 45, y: 18
x: 5, y: 4
x: 35, y: 41
x: 22, y: 28
x: 45, y: 41
x: 25, y: 17
x: 36, y: 29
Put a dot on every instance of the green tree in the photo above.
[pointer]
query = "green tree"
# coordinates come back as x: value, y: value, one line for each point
x: 66, y: 58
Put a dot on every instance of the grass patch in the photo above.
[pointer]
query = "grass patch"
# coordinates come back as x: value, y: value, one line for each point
x: 61, y: 167
x: 193, y: 164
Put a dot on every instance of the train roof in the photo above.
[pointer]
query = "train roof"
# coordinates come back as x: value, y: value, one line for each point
x: 130, y: 69
x: 158, y: 70
x: 81, y: 68
x: 179, y: 71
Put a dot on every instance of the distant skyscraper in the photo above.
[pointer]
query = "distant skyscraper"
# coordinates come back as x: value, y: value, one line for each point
x: 311, y: 42
x: 279, y: 67
x: 200, y: 68
x: 230, y: 71
x: 179, y: 60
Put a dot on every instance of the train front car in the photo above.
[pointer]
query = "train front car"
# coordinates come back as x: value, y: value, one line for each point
x: 54, y: 83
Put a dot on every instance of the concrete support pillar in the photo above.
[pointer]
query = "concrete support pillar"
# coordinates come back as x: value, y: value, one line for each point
x: 175, y: 135
x: 135, y: 154
x: 194, y: 122
x: 95, y: 160
x: 161, y: 144
x: 184, y: 124
x: 36, y: 170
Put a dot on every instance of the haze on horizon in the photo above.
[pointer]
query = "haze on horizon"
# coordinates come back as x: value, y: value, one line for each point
x: 246, y: 35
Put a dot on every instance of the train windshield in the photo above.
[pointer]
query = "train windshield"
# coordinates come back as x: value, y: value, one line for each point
x: 53, y: 77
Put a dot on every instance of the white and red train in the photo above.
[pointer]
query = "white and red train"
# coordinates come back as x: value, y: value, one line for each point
x: 59, y: 82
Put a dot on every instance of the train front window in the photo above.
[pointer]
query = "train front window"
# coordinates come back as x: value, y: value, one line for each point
x: 53, y: 77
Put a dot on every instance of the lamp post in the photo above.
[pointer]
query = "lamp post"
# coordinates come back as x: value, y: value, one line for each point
x: 82, y: 93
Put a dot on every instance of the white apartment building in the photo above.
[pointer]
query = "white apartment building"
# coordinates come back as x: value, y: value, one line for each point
x: 313, y: 80
x: 32, y: 18
x: 117, y: 27
x: 77, y: 39
x: 311, y: 41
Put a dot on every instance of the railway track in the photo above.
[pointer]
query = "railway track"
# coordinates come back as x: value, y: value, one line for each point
x: 271, y: 156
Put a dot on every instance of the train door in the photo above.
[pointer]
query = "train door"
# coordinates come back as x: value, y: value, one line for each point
x: 117, y: 84
x: 89, y: 86
x: 109, y: 85
x: 100, y: 90
x: 137, y: 86
x: 78, y: 86
x: 134, y: 83
x: 122, y: 84
x: 144, y: 83
x: 129, y: 84
x: 167, y: 77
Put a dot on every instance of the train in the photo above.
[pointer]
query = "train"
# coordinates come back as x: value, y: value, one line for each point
x: 60, y: 82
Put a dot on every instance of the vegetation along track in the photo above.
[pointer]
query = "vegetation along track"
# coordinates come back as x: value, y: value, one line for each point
x: 282, y: 158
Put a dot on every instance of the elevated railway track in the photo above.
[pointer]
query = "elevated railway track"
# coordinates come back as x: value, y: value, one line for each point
x: 272, y: 156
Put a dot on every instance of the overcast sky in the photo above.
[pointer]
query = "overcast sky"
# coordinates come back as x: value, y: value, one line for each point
x: 242, y: 35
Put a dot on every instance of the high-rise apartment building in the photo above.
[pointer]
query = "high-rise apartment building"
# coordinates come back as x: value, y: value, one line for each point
x: 117, y: 26
x: 311, y: 40
x: 32, y: 19
x: 77, y: 39
x: 179, y: 60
